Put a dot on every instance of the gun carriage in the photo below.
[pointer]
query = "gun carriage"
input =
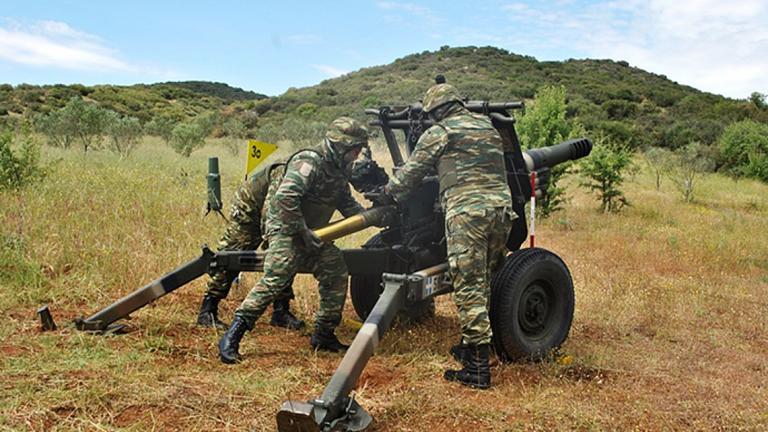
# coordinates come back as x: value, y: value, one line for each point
x: 403, y: 267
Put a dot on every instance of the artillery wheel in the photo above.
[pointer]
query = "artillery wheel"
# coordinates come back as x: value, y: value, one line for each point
x: 532, y: 305
x: 366, y: 289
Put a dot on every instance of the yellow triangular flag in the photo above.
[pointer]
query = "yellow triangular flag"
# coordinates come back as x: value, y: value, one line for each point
x: 257, y: 152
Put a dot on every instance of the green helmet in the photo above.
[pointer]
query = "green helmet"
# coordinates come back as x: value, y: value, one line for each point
x: 345, y: 134
x: 440, y: 94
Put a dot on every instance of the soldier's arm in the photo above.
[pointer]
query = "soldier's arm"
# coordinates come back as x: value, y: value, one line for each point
x: 424, y: 158
x: 348, y: 206
x: 299, y: 175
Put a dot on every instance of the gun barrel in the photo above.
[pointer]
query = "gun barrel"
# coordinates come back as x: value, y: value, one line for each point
x: 488, y: 107
x: 547, y: 157
x: 378, y: 216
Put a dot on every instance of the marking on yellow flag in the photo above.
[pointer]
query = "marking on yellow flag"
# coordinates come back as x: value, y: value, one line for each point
x: 257, y: 152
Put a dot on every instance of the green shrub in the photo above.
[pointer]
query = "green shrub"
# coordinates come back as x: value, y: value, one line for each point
x: 124, y: 133
x: 545, y: 124
x: 744, y: 148
x: 689, y: 163
x: 302, y: 133
x: 235, y: 132
x: 659, y: 161
x: 186, y: 137
x: 161, y: 127
x: 604, y: 171
x: 19, y: 166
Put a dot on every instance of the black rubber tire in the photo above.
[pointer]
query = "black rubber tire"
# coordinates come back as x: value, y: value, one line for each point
x: 532, y: 304
x: 364, y: 294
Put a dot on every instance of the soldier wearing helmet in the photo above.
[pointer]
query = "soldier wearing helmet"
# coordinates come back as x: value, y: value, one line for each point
x: 244, y: 233
x: 466, y: 152
x: 315, y: 184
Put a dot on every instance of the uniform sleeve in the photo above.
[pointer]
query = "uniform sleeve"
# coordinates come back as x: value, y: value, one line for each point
x: 299, y: 175
x: 348, y: 206
x: 423, y: 159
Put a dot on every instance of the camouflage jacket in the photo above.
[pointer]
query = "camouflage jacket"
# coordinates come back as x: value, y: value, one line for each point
x: 312, y: 188
x: 466, y: 151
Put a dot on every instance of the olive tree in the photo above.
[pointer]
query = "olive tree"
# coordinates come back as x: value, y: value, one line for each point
x: 186, y: 137
x: 124, y: 133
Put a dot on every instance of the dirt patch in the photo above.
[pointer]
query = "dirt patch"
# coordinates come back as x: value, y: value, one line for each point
x: 12, y: 351
x: 581, y: 373
x: 378, y: 376
x: 162, y: 417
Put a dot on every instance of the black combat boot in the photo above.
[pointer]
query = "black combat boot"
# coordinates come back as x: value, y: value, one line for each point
x: 229, y: 344
x: 209, y: 313
x: 282, y: 316
x: 461, y: 352
x: 323, y: 339
x: 476, y: 372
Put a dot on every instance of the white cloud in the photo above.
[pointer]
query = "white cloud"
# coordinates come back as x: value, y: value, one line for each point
x: 56, y: 44
x: 412, y: 15
x: 720, y: 47
x: 406, y: 7
x: 331, y: 71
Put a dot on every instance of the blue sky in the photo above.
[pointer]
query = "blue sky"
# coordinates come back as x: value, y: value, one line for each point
x: 267, y: 47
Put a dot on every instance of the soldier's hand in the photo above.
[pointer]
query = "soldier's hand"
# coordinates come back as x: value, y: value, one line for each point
x: 310, y: 239
x: 386, y: 196
x: 379, y: 197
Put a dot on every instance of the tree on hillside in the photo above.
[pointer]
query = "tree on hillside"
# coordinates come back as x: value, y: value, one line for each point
x: 545, y: 124
x: 162, y: 127
x: 186, y: 137
x: 124, y: 133
x: 690, y: 162
x: 604, y: 172
x: 758, y: 99
x: 58, y: 131
x: 87, y: 120
x: 302, y: 133
x: 659, y: 160
x: 744, y: 148
x: 208, y: 122
x: 234, y: 130
x: 20, y: 160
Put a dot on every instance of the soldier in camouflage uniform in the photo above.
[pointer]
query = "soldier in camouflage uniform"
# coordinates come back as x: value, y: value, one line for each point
x: 466, y: 152
x: 316, y: 183
x: 244, y: 233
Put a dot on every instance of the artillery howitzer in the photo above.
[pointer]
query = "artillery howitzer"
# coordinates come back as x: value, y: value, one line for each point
x: 403, y: 267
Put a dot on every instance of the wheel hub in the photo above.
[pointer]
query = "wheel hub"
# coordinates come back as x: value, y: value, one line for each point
x: 534, y: 310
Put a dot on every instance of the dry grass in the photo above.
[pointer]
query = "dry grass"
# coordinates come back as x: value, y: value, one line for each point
x: 669, y: 332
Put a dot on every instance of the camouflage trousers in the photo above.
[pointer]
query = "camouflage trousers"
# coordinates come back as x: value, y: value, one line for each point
x: 286, y: 254
x: 243, y: 233
x: 476, y: 247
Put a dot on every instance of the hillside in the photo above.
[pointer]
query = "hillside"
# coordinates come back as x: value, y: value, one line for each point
x: 609, y: 97
x: 625, y: 102
x: 220, y: 90
x: 177, y: 100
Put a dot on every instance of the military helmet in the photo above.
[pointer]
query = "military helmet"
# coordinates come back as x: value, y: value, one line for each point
x: 440, y: 94
x: 344, y: 135
x: 347, y: 133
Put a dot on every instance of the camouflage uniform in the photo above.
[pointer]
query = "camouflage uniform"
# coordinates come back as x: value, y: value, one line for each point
x: 466, y: 152
x: 312, y: 189
x: 244, y: 231
x: 316, y: 183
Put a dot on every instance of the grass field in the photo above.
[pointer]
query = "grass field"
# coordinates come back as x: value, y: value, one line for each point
x: 669, y: 331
